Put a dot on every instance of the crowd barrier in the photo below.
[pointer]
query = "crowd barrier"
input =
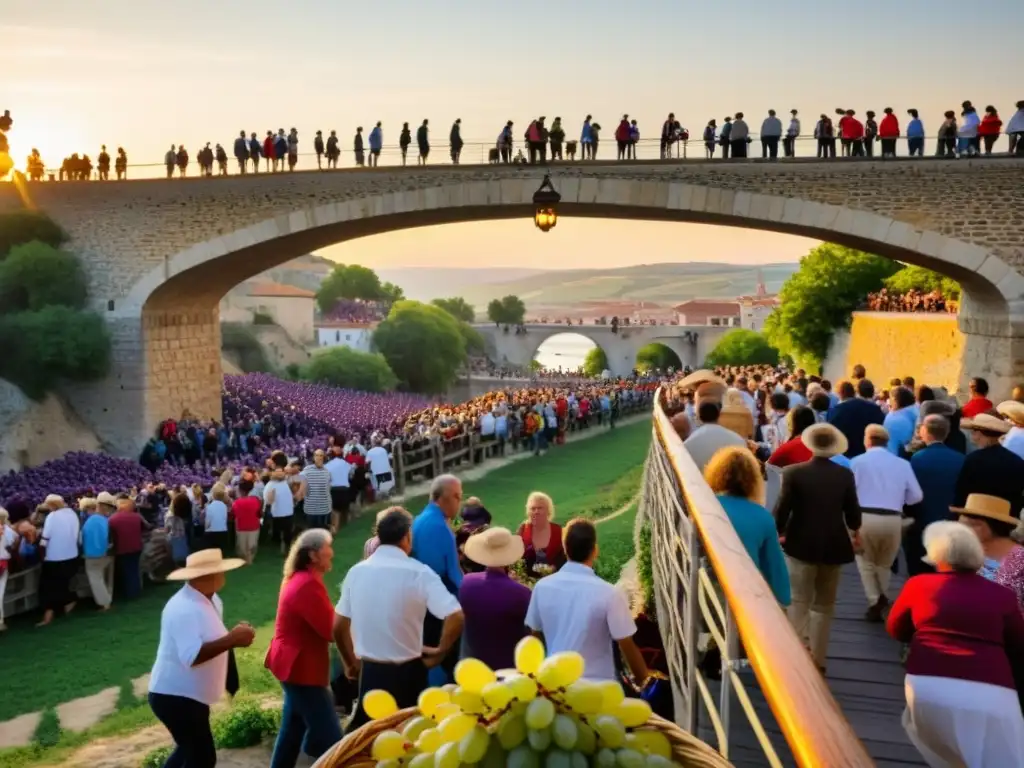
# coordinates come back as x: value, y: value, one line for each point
x: 705, y: 583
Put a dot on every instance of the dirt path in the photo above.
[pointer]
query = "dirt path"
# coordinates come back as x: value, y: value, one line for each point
x: 129, y: 751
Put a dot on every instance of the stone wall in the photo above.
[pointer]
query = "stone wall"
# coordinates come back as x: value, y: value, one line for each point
x: 929, y: 347
x: 32, y: 433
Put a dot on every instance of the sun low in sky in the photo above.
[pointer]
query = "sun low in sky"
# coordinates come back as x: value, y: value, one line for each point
x: 145, y: 75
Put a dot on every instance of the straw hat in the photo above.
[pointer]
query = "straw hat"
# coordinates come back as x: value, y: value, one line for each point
x: 205, y: 562
x: 986, y: 422
x: 1012, y: 410
x: 703, y: 376
x: 824, y: 440
x: 990, y: 507
x: 494, y: 548
x: 53, y: 500
x: 106, y: 498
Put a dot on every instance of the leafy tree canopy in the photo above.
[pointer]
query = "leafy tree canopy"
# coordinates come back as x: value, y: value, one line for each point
x: 472, y: 338
x: 820, y: 297
x: 743, y: 347
x: 925, y: 280
x: 509, y: 310
x: 22, y: 227
x: 457, y: 307
x: 350, y: 369
x: 36, y: 275
x: 353, y: 281
x: 655, y: 355
x: 595, y: 363
x: 422, y: 344
x: 51, y: 346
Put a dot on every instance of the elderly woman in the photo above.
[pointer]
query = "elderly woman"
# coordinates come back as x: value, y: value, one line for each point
x: 735, y: 476
x: 299, y: 653
x: 541, y: 536
x: 179, y: 527
x: 963, y: 630
x: 193, y: 658
x: 8, y: 547
x: 215, y: 521
x: 794, y: 451
x: 990, y: 519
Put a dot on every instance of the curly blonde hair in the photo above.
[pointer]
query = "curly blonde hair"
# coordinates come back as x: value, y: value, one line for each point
x: 735, y: 472
x: 543, y: 497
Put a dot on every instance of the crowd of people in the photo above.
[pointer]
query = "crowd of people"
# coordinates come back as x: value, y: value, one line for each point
x: 912, y: 301
x: 814, y: 478
x: 356, y: 311
x: 971, y: 134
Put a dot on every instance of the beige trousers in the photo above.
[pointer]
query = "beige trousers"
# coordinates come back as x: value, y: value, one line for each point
x: 880, y: 537
x: 100, y: 573
x: 246, y: 543
x: 813, y: 602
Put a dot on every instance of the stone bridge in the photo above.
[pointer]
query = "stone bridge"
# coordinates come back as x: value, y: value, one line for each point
x: 620, y: 347
x: 161, y: 253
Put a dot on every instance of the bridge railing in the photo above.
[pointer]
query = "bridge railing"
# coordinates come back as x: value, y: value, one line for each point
x: 705, y: 583
x: 474, y: 152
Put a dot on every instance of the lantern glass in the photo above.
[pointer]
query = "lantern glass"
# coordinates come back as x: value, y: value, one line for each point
x: 545, y: 219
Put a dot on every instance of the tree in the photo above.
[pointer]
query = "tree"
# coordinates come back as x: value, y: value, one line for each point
x: 925, y: 280
x: 509, y: 310
x: 457, y: 307
x: 743, y: 347
x: 423, y: 345
x: 36, y: 275
x: 350, y: 369
x: 819, y: 298
x: 655, y: 355
x: 390, y: 293
x: 53, y: 345
x: 472, y: 338
x: 595, y: 363
x: 350, y: 281
x: 23, y: 227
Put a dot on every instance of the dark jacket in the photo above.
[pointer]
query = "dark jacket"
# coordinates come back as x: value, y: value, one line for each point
x: 996, y: 471
x: 816, y: 507
x: 937, y: 468
x: 852, y: 417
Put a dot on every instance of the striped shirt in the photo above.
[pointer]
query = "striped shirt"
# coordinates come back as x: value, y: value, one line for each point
x: 318, y: 490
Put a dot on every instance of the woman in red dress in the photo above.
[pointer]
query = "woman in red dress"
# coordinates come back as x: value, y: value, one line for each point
x: 542, y: 537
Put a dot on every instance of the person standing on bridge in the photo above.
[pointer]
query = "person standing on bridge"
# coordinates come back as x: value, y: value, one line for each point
x: 357, y: 147
x: 241, y: 152
x: 771, y: 133
x: 255, y: 151
x: 404, y: 140
x: 792, y: 134
x: 455, y: 142
x: 423, y: 142
x: 376, y: 144
x: 318, y: 147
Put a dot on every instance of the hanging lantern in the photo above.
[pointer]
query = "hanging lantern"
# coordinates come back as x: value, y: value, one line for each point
x: 546, y: 199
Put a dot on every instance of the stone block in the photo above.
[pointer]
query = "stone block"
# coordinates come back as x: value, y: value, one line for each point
x: 699, y: 199
x: 776, y: 208
x: 1011, y: 285
x: 792, y: 210
x: 844, y: 221
x: 760, y: 206
x: 810, y: 214
x: 81, y: 714
x: 588, y: 190
x: 741, y: 204
x: 569, y: 189
x: 512, y: 192
x: 962, y: 254
x: 902, y: 235
x: 680, y: 196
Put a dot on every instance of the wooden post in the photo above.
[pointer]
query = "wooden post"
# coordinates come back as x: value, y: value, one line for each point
x: 438, y: 456
x: 399, y: 469
x: 472, y: 448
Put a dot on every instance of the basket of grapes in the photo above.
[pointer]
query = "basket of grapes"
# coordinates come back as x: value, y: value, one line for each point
x: 542, y: 714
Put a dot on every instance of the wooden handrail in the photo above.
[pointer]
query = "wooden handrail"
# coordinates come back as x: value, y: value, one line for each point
x: 815, y: 728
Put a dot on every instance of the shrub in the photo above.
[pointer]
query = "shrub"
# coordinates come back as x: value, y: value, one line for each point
x: 742, y: 347
x: 37, y: 275
x: 156, y: 758
x: 47, y: 732
x: 52, y: 345
x: 645, y: 568
x: 238, y: 342
x: 595, y: 362
x: 23, y: 227
x: 262, y: 318
x: 244, y: 725
x: 350, y: 369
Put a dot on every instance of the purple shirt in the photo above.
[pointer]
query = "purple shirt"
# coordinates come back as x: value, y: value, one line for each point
x: 494, y: 606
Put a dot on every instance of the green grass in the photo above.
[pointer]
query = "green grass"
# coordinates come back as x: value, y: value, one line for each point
x: 88, y: 652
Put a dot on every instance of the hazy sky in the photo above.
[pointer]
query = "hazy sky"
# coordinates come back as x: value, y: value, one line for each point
x: 145, y: 74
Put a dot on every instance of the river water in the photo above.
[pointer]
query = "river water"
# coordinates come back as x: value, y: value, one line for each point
x: 565, y: 350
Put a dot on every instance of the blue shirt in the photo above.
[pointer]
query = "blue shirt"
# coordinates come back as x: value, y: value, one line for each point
x: 376, y: 138
x: 842, y: 461
x: 915, y: 129
x: 900, y: 426
x: 95, y: 536
x: 433, y: 544
x: 756, y: 528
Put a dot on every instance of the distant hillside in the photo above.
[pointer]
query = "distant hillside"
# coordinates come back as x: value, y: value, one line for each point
x: 662, y: 283
x: 304, y: 272
x: 426, y: 283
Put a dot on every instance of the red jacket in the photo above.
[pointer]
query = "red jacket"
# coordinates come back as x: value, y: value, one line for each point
x: 268, y: 147
x: 852, y: 128
x: 889, y: 128
x: 991, y: 125
x: 299, y: 652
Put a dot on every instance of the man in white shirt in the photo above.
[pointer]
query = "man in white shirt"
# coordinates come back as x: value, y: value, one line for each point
x: 341, y: 492
x: 487, y: 424
x: 380, y: 467
x: 576, y: 610
x: 379, y: 621
x: 885, y: 485
x: 279, y: 497
x: 1014, y: 413
x: 60, y: 560
x: 710, y: 437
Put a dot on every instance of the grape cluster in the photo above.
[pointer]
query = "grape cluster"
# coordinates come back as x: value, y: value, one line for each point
x: 542, y: 714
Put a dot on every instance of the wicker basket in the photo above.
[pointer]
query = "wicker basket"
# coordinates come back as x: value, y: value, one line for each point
x: 353, y: 751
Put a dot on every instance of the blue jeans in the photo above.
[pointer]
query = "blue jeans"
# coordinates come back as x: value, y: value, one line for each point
x: 129, y: 574
x: 308, y: 724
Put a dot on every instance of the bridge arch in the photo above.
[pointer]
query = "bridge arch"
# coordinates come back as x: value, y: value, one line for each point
x: 166, y: 324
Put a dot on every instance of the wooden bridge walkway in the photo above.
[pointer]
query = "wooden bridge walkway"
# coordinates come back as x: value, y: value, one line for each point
x: 866, y: 677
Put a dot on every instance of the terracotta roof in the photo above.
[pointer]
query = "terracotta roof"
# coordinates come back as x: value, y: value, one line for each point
x: 708, y: 307
x: 278, y: 290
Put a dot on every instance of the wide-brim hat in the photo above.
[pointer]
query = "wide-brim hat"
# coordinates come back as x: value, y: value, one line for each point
x: 824, y: 440
x: 1012, y: 410
x: 989, y: 507
x: 494, y: 548
x: 703, y: 376
x: 475, y: 516
x: 986, y: 422
x: 105, y: 497
x: 205, y: 562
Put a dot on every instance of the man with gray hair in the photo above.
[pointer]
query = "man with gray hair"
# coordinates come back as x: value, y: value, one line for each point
x: 433, y: 544
x: 59, y: 541
x: 936, y: 467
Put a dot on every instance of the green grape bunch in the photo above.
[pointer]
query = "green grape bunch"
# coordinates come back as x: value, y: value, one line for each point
x: 542, y: 714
